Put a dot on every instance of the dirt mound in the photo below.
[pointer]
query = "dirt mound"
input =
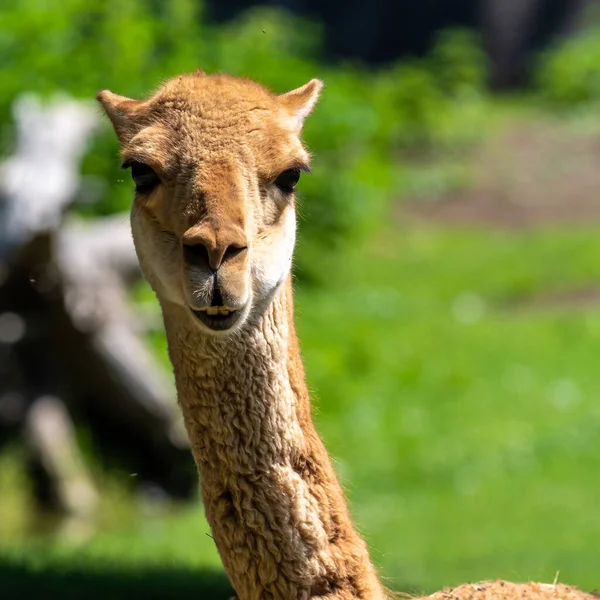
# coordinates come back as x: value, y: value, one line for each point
x: 504, y: 590
x: 532, y: 173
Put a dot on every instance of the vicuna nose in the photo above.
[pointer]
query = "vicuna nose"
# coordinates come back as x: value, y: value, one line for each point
x: 210, y: 247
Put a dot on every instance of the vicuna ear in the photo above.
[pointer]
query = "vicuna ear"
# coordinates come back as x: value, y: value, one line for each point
x: 121, y: 111
x: 302, y: 100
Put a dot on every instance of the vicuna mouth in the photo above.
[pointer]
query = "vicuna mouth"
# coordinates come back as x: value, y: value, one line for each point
x: 217, y: 318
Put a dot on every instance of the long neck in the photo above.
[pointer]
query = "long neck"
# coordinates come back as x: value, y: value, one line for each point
x: 277, y: 512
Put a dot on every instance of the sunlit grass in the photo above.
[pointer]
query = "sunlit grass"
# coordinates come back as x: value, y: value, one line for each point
x: 464, y: 423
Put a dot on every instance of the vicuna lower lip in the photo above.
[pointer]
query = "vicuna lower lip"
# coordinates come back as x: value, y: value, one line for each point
x: 217, y: 320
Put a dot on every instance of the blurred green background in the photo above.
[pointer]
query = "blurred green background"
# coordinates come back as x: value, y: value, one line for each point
x: 448, y: 280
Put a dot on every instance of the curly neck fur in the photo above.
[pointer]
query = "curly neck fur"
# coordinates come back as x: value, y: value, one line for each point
x: 277, y: 512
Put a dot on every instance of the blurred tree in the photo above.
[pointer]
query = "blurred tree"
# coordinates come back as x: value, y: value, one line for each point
x: 515, y: 29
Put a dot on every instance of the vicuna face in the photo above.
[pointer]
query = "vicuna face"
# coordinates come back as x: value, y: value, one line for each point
x: 215, y: 161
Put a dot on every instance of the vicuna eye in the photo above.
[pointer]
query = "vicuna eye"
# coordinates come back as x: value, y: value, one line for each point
x: 287, y: 181
x: 144, y: 177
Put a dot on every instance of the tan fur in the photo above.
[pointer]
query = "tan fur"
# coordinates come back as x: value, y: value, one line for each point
x: 274, y: 504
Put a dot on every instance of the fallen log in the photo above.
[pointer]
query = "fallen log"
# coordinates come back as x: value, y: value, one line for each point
x: 67, y: 327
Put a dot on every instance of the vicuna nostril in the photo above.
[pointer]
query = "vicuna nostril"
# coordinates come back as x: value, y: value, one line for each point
x: 232, y: 252
x: 196, y: 254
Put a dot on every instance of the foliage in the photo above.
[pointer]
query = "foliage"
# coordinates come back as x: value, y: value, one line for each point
x: 569, y: 73
x: 130, y: 46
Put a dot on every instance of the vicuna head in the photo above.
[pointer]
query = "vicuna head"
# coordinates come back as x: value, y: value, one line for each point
x: 215, y: 160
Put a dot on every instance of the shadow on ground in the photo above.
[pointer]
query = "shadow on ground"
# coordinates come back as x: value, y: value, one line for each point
x: 20, y: 581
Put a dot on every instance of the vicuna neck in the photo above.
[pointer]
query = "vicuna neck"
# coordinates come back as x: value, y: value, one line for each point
x: 277, y: 512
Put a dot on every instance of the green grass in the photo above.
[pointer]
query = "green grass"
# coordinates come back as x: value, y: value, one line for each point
x: 464, y: 425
